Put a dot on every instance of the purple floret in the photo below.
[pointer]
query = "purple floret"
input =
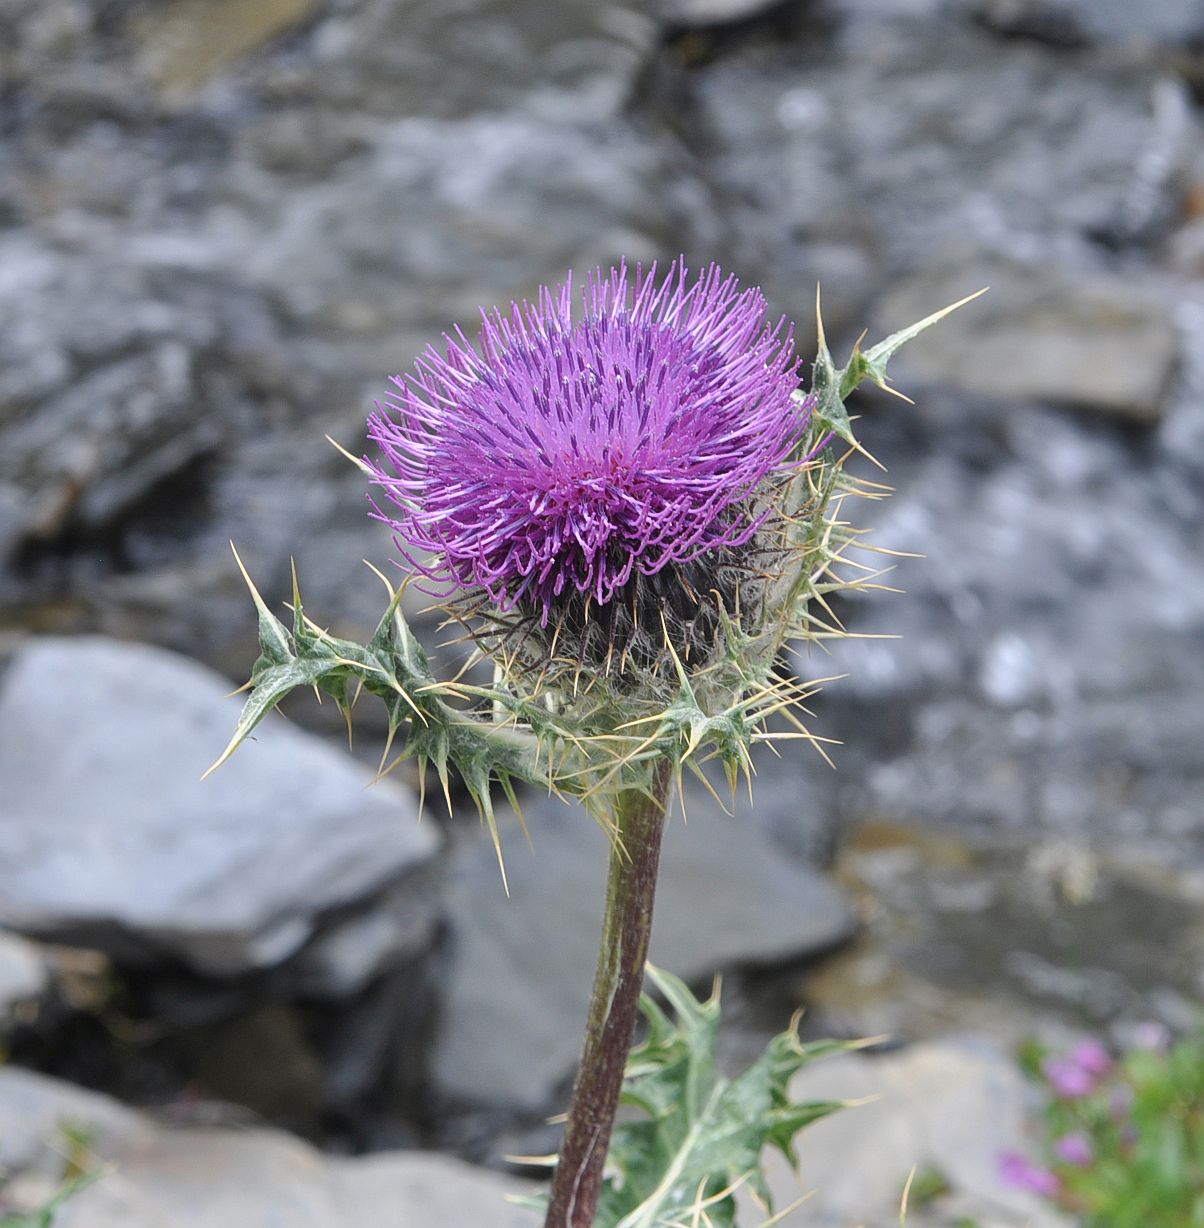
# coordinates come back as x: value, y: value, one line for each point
x: 561, y: 458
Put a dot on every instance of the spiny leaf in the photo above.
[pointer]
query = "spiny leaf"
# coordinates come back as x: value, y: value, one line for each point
x: 702, y: 1135
x: 274, y: 646
x: 872, y: 363
x: 269, y: 687
x: 393, y: 667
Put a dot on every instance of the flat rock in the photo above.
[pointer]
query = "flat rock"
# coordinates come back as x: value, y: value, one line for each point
x: 1041, y: 333
x: 706, y: 13
x: 34, y: 1108
x: 183, y: 43
x: 212, y: 1178
x: 911, y: 143
x: 24, y: 974
x: 1154, y: 22
x: 522, y: 967
x: 954, y: 1106
x: 110, y: 839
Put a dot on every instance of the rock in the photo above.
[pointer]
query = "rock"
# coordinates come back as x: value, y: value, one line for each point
x: 953, y: 1106
x: 1023, y: 695
x: 182, y: 44
x: 110, y: 838
x: 521, y: 967
x: 209, y: 1178
x: 703, y: 14
x: 910, y: 142
x: 1080, y: 21
x: 1040, y: 333
x: 34, y: 1109
x: 350, y: 952
x: 24, y: 975
x: 1005, y: 937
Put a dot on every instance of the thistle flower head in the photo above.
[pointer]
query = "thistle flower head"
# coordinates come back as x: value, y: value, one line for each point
x: 568, y: 460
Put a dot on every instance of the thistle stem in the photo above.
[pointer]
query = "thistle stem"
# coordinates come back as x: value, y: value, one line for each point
x: 626, y: 926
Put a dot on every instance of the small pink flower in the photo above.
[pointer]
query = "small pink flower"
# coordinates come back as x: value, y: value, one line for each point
x: 1091, y: 1056
x: 1075, y: 1149
x: 1021, y: 1173
x: 1068, y: 1079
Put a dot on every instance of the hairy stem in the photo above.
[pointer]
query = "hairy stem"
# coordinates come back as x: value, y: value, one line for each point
x: 626, y: 925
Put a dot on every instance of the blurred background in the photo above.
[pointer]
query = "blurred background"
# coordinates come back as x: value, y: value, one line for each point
x: 224, y: 223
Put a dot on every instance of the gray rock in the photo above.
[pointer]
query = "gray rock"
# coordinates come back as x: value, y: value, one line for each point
x: 913, y: 142
x: 706, y: 13
x: 1040, y: 333
x: 111, y: 839
x: 181, y: 45
x: 1153, y: 22
x: 24, y: 975
x: 522, y: 967
x: 34, y: 1109
x: 954, y: 1106
x: 1025, y: 691
x: 210, y: 1178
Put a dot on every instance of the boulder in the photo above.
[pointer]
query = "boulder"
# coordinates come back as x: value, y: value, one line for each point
x: 24, y: 975
x: 196, y: 1177
x: 952, y: 1106
x: 522, y: 966
x: 1041, y: 333
x: 110, y: 838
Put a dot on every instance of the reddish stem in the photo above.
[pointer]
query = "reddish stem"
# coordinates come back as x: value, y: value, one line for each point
x: 626, y: 926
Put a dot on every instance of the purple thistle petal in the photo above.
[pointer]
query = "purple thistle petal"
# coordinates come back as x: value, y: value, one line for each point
x: 559, y: 458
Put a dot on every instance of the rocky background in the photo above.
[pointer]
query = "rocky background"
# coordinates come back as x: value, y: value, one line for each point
x: 223, y: 224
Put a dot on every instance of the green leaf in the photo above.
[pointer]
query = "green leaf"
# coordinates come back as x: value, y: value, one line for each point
x: 269, y: 687
x: 702, y: 1134
x: 393, y: 667
x: 872, y: 363
x: 831, y: 387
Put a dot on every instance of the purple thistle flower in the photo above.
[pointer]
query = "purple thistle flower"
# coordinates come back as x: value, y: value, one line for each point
x: 562, y: 461
x: 1075, y: 1149
x: 1021, y: 1173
